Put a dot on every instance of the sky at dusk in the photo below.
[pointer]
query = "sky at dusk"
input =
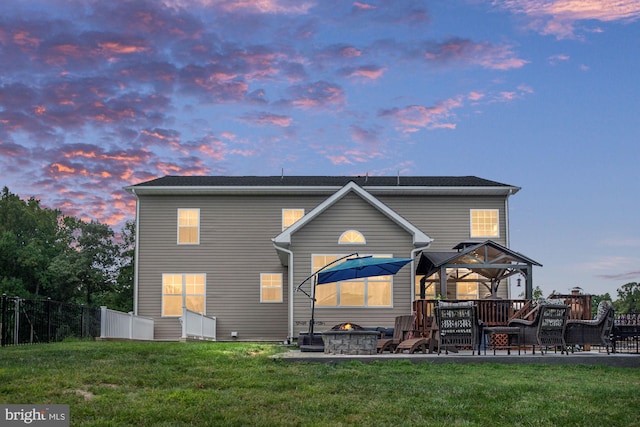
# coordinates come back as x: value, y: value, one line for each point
x: 540, y: 94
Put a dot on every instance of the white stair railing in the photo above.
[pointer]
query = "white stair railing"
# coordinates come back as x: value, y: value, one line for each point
x: 196, y: 325
x: 116, y: 324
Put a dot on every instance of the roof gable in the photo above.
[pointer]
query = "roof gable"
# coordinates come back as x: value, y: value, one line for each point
x: 419, y: 238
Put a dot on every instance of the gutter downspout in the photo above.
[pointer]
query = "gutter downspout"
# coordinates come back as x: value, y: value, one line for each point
x: 136, y: 255
x: 290, y: 269
x: 506, y: 221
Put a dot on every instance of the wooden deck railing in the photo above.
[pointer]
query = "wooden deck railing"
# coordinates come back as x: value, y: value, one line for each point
x: 498, y: 312
x: 491, y: 312
x: 580, y: 305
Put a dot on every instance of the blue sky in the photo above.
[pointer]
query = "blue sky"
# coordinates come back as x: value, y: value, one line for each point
x: 541, y: 94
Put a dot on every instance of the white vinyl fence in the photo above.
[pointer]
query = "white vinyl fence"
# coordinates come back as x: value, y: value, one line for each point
x: 196, y: 325
x: 116, y: 324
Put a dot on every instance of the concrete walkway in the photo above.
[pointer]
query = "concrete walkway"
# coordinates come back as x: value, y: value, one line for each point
x: 618, y: 360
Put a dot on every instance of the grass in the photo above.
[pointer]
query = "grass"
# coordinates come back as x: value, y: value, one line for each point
x: 239, y: 384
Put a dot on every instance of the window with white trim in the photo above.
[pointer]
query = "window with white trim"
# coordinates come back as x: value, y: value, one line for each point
x: 182, y: 289
x: 368, y: 292
x: 485, y: 223
x: 352, y: 237
x: 290, y: 217
x: 270, y: 287
x: 188, y: 226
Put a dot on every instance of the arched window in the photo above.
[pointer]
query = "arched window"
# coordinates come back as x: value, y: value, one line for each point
x: 352, y: 237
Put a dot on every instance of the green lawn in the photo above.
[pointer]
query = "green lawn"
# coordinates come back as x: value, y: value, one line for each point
x: 238, y: 384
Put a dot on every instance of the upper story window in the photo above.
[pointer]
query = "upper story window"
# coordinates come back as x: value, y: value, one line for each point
x: 352, y: 237
x: 484, y: 223
x: 188, y: 226
x: 290, y: 216
x: 270, y: 287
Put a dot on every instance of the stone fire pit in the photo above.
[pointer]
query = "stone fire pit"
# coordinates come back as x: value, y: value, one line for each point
x: 349, y: 338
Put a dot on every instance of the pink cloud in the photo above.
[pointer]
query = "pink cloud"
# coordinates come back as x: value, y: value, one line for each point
x: 416, y: 117
x: 392, y: 12
x: 507, y: 96
x: 558, y: 17
x: 319, y: 94
x: 369, y: 72
x: 339, y: 160
x: 556, y: 59
x: 364, y: 136
x: 214, y: 149
x: 475, y: 96
x: 284, y: 7
x: 484, y: 54
x: 243, y: 153
x: 339, y: 52
x: 266, y: 119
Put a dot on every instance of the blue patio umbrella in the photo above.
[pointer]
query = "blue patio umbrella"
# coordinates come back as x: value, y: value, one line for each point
x: 356, y: 268
x: 352, y: 268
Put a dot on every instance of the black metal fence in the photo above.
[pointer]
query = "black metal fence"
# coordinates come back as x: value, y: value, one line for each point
x: 30, y: 321
x: 626, y: 333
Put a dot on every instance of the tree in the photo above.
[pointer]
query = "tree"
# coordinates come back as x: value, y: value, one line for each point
x: 92, y: 254
x: 43, y: 253
x: 537, y: 293
x: 121, y: 296
x: 595, y: 300
x: 30, y: 237
x: 628, y: 299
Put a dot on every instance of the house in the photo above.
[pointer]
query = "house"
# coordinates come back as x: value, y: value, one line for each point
x: 236, y: 248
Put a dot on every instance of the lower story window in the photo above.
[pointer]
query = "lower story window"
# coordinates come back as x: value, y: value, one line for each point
x: 467, y: 290
x: 182, y: 290
x: 429, y: 288
x: 368, y: 292
x: 271, y: 287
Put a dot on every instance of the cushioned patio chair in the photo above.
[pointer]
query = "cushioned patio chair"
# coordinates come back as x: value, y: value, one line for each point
x: 402, y: 329
x: 592, y: 332
x: 458, y: 326
x: 546, y: 329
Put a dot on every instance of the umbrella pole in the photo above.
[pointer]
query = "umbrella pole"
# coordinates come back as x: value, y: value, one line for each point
x: 313, y: 309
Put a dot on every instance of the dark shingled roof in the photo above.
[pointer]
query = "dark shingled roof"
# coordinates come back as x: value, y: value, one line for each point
x: 320, y: 181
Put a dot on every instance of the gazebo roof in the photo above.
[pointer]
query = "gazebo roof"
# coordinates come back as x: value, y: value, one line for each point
x: 489, y: 259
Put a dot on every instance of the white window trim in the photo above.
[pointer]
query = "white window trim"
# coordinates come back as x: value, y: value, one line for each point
x: 281, y: 288
x: 184, y: 296
x: 471, y: 211
x: 340, y: 242
x: 178, y: 226
x: 282, y: 217
x: 366, y: 279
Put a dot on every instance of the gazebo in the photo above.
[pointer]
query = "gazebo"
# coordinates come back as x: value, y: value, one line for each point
x: 491, y: 261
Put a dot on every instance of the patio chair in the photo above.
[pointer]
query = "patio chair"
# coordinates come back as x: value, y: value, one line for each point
x: 458, y: 326
x: 403, y: 326
x: 592, y: 332
x: 546, y: 329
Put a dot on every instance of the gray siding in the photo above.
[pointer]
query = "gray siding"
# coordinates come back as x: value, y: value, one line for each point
x: 235, y: 247
x: 446, y: 219
x: 383, y: 236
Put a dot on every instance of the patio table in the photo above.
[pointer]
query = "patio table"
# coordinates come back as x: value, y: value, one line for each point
x: 497, y: 330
